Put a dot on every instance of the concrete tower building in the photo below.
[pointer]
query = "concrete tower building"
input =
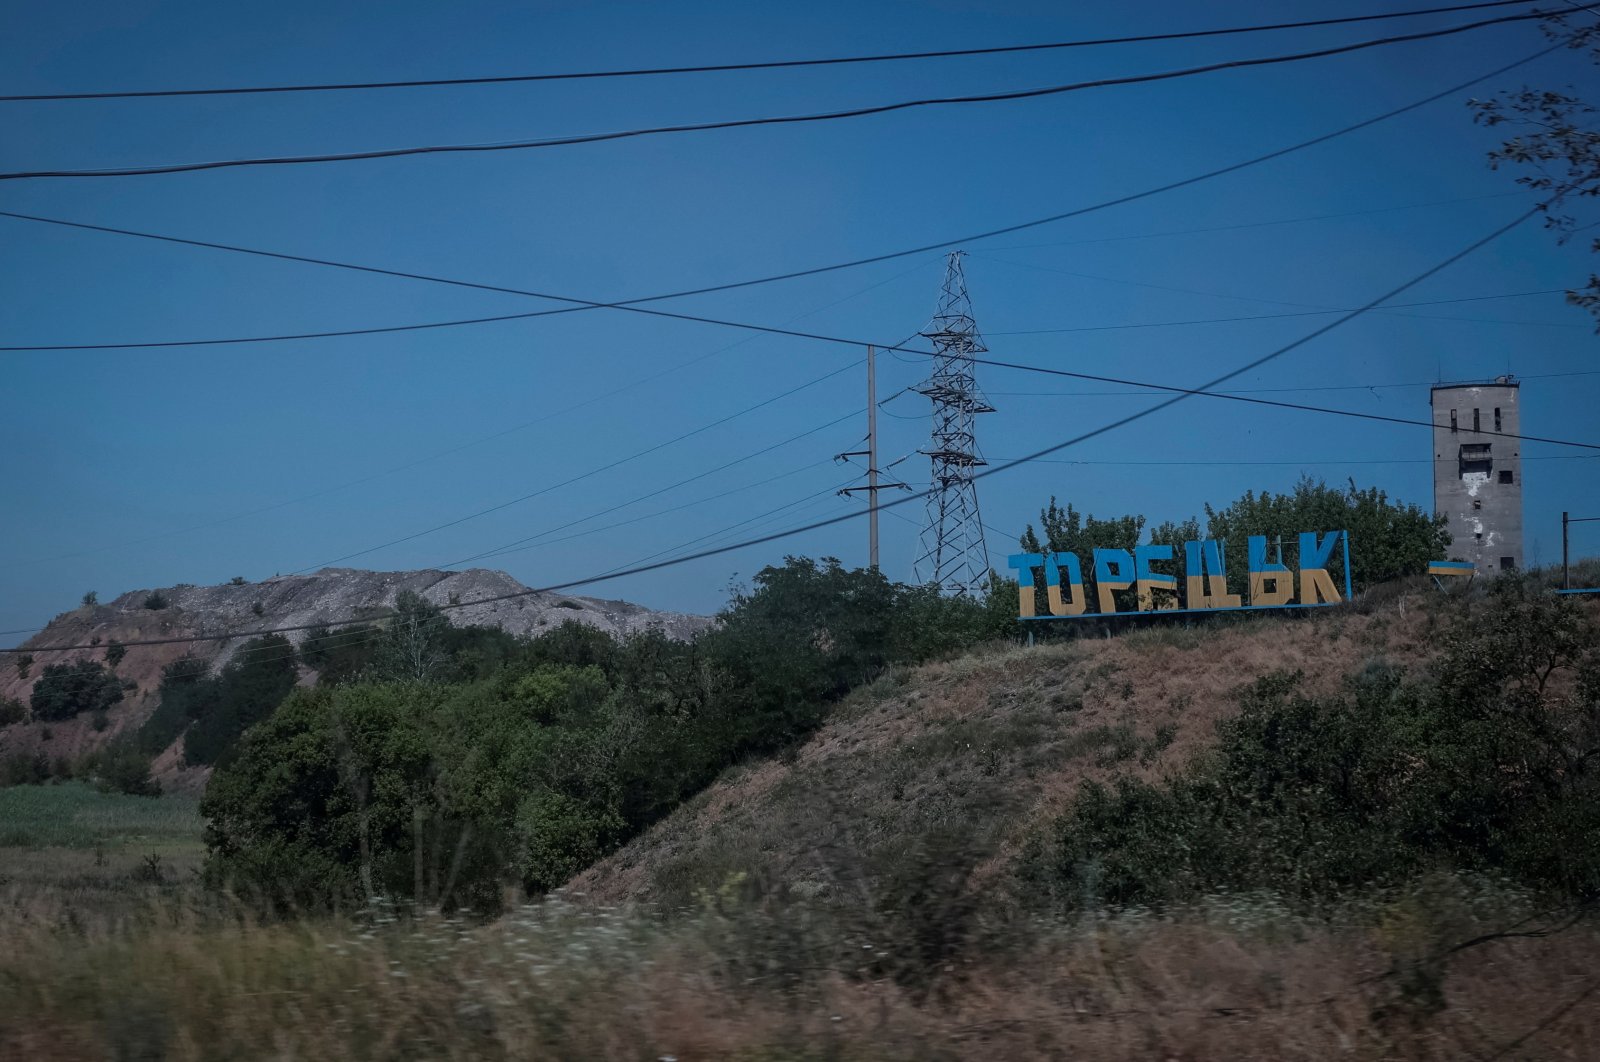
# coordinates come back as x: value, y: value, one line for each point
x: 1477, y: 474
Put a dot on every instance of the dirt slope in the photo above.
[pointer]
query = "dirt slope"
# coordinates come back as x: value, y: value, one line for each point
x: 976, y: 752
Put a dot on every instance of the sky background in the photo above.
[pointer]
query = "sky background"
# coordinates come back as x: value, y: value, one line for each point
x: 145, y: 468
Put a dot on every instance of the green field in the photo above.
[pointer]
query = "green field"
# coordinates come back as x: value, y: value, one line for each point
x: 69, y: 843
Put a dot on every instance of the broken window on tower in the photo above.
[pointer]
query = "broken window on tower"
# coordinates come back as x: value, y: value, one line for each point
x: 1475, y: 460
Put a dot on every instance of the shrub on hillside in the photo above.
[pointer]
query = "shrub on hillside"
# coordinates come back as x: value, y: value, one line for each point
x: 555, y: 750
x: 121, y: 768
x: 12, y: 711
x: 1489, y: 766
x: 339, y: 655
x: 179, y: 698
x: 246, y: 691
x: 156, y: 601
x: 64, y: 690
x: 23, y: 768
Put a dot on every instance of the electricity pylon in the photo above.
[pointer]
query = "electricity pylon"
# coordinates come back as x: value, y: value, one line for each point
x: 953, y: 556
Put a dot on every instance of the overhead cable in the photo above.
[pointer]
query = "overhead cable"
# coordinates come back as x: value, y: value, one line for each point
x: 791, y: 119
x: 714, y: 68
x: 635, y: 305
x: 1179, y: 395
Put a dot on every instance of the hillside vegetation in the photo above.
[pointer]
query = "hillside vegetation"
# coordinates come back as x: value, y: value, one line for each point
x: 856, y: 819
x: 908, y: 879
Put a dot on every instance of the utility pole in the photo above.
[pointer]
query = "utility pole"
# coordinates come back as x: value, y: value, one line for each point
x: 871, y: 454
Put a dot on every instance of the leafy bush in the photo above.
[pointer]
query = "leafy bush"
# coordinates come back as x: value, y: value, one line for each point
x: 12, y: 711
x: 255, y: 682
x: 91, y: 599
x: 1489, y: 766
x: 156, y: 600
x: 180, y: 698
x: 115, y: 651
x: 64, y: 690
x: 21, y: 768
x: 542, y: 755
x: 121, y: 768
x: 1387, y: 539
x: 339, y: 655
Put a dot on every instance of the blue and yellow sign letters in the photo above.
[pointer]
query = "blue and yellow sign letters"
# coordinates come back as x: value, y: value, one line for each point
x: 1150, y: 572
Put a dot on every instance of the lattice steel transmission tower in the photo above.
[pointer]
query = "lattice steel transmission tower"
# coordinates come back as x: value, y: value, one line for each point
x: 953, y: 556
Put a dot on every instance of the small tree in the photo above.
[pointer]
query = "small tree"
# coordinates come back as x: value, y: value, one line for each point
x: 412, y: 646
x: 12, y: 711
x: 237, y: 580
x: 1554, y: 146
x: 64, y: 690
x: 91, y: 599
x: 24, y: 662
x: 122, y: 768
x: 115, y: 651
x: 155, y: 601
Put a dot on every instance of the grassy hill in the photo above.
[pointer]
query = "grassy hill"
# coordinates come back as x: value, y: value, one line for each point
x: 970, y: 756
x: 863, y: 894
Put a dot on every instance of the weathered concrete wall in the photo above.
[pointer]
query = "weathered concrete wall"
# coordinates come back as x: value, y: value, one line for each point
x: 1477, y: 474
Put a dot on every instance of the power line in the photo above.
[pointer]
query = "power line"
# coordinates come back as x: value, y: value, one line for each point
x: 469, y: 321
x: 582, y: 475
x: 527, y: 542
x: 603, y: 396
x: 1181, y: 395
x: 1310, y: 313
x: 633, y: 305
x: 1206, y: 391
x: 1257, y: 224
x: 949, y: 53
x: 794, y: 119
x: 1305, y: 461
x: 1312, y: 307
x: 504, y: 551
x: 1273, y: 390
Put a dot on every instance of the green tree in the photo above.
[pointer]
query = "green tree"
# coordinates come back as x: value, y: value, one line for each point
x: 12, y: 711
x: 804, y: 636
x: 1555, y: 145
x: 22, y: 768
x: 245, y: 692
x: 1489, y: 766
x: 24, y: 663
x: 1387, y: 539
x: 155, y: 601
x: 411, y: 648
x: 185, y: 688
x: 122, y: 768
x: 1068, y: 531
x: 340, y: 655
x: 91, y: 599
x: 115, y: 651
x: 64, y: 690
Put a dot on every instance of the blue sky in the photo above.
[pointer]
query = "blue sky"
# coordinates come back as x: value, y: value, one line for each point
x: 131, y: 469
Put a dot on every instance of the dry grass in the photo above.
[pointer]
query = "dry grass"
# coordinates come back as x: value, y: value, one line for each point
x: 1235, y: 981
x: 989, y: 746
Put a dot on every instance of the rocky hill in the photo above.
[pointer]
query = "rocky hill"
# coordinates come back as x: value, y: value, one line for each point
x: 232, y: 611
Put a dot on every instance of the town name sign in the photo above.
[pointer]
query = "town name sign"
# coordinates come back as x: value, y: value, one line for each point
x: 1205, y: 583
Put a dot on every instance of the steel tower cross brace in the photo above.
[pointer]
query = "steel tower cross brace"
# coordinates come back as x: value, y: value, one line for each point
x: 953, y: 555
